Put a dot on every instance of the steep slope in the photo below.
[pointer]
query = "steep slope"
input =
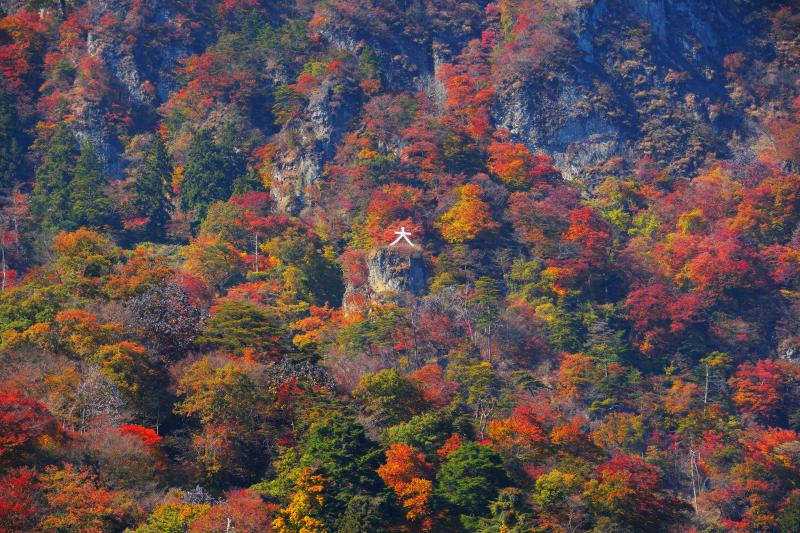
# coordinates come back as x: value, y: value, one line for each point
x: 208, y: 323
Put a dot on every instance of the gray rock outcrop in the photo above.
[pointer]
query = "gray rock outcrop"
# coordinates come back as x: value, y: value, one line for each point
x: 396, y: 269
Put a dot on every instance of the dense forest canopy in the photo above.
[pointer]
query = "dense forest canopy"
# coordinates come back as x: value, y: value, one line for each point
x: 205, y: 326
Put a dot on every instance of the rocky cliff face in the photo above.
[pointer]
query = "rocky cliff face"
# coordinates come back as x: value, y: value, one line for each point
x: 139, y: 64
x: 407, y: 52
x: 636, y: 79
x: 396, y: 270
x: 392, y: 272
x: 300, y: 168
x: 646, y: 77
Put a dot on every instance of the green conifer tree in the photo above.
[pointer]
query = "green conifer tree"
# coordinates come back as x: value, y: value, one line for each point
x: 91, y: 206
x: 338, y: 448
x: 50, y: 201
x: 470, y: 478
x: 151, y: 194
x: 234, y: 158
x: 206, y: 178
x: 239, y: 325
x: 10, y: 142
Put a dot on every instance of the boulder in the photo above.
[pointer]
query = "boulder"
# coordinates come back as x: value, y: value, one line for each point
x: 396, y: 269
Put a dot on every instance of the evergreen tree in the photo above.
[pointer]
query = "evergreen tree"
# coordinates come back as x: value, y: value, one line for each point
x: 318, y: 279
x: 50, y: 205
x: 10, y: 142
x: 790, y: 518
x: 368, y: 66
x: 388, y: 397
x: 509, y: 514
x: 470, y: 478
x: 230, y: 148
x: 565, y: 329
x: 428, y: 431
x: 487, y: 298
x: 364, y: 514
x: 206, y: 177
x: 338, y: 448
x: 288, y: 103
x: 238, y: 325
x: 151, y: 189
x: 91, y: 207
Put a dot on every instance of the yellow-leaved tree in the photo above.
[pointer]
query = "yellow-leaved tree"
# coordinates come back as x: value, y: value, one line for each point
x: 469, y: 218
x: 300, y: 514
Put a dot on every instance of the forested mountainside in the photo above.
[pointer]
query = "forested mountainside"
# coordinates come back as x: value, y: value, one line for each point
x: 590, y: 320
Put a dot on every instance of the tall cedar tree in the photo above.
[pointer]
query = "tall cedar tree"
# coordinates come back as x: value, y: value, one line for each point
x: 339, y: 449
x: 151, y: 189
x: 234, y: 157
x: 10, y: 142
x: 210, y: 172
x: 91, y: 207
x: 50, y: 201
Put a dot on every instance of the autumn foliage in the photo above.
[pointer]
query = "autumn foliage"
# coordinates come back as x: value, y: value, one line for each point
x: 204, y: 326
